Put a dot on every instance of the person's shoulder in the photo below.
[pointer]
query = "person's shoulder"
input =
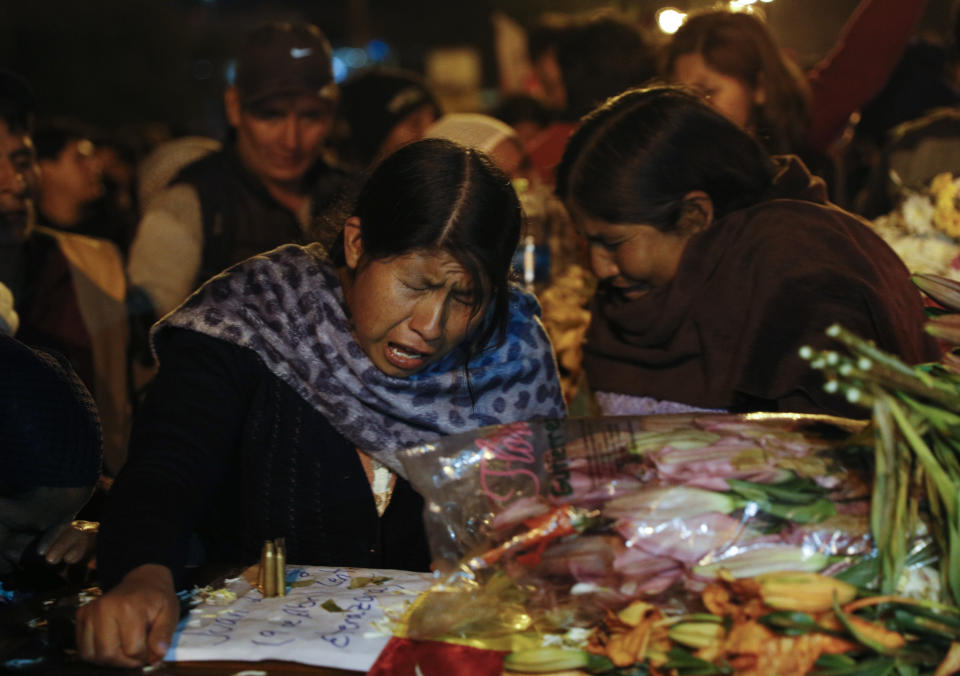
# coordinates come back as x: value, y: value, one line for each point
x: 80, y: 240
x: 784, y: 229
x: 784, y: 216
x: 211, y: 175
x: 165, y: 161
x: 216, y: 161
x: 97, y: 258
x: 182, y: 344
x: 177, y: 199
x: 28, y: 363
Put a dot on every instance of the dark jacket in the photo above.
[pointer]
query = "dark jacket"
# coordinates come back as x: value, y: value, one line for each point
x: 69, y: 292
x: 240, y: 217
x: 224, y: 449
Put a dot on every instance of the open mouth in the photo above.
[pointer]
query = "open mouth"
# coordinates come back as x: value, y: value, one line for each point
x: 405, y: 357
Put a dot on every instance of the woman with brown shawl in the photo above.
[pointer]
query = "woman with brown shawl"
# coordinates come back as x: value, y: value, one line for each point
x: 717, y: 262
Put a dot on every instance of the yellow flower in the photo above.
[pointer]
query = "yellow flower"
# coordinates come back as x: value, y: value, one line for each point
x: 946, y: 217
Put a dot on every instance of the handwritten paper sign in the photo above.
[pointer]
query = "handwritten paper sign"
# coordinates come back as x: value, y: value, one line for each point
x: 332, y: 617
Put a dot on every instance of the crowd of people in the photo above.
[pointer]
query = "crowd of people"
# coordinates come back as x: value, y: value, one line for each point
x: 233, y: 338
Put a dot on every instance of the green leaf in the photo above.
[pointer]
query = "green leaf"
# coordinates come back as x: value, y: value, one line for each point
x: 906, y: 622
x: 907, y: 669
x: 331, y: 606
x: 798, y: 499
x: 815, y: 512
x: 632, y: 670
x: 797, y: 490
x: 925, y: 455
x: 939, y: 418
x: 856, y: 633
x: 792, y: 623
x: 863, y: 573
x: 827, y: 661
x: 598, y: 664
x: 880, y: 666
x: 685, y: 663
x: 949, y: 616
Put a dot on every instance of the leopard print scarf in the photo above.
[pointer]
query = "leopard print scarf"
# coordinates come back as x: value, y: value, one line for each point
x: 287, y: 305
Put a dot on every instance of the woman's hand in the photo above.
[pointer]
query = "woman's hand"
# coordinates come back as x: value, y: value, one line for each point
x: 133, y: 623
x: 70, y: 542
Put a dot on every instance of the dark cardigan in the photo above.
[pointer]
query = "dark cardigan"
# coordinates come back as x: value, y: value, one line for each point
x: 224, y: 449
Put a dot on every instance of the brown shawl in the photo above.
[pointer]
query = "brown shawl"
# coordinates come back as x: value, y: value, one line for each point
x: 750, y: 290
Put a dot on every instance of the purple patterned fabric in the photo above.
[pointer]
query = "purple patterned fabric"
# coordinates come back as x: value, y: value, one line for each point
x: 288, y: 307
x: 615, y: 403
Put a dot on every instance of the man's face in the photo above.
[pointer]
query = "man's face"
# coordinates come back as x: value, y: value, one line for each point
x: 281, y: 137
x: 19, y: 178
x: 76, y: 173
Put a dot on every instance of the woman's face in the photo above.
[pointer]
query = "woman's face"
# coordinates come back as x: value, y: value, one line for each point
x: 730, y: 96
x: 408, y: 311
x: 633, y: 258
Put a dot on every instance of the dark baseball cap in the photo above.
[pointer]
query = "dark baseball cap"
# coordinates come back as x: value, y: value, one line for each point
x: 282, y: 58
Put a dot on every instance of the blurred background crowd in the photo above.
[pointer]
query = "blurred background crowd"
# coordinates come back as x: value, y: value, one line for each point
x: 141, y: 73
x: 129, y: 120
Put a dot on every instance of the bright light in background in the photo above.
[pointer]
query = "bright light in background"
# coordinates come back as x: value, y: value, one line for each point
x: 746, y: 5
x: 379, y: 51
x: 348, y: 59
x: 669, y: 19
x: 340, y: 69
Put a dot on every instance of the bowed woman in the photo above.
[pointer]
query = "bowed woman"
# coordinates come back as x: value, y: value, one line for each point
x: 717, y: 262
x: 288, y: 384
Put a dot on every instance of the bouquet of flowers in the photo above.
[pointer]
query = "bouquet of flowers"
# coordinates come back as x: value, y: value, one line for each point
x: 924, y: 229
x: 668, y: 544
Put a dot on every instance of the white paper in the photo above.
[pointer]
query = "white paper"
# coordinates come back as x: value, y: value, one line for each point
x: 295, y: 627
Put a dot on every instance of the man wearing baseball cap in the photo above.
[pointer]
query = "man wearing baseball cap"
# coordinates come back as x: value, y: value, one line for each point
x: 264, y: 188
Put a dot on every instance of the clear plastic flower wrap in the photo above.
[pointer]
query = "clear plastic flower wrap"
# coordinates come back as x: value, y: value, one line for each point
x: 546, y: 526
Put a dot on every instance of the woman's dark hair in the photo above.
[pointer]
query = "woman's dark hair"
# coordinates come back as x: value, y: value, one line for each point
x: 52, y: 136
x: 436, y: 195
x: 739, y: 45
x: 600, y: 56
x: 633, y: 160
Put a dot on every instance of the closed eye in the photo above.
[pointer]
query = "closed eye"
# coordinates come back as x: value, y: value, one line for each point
x: 605, y: 244
x: 415, y: 286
